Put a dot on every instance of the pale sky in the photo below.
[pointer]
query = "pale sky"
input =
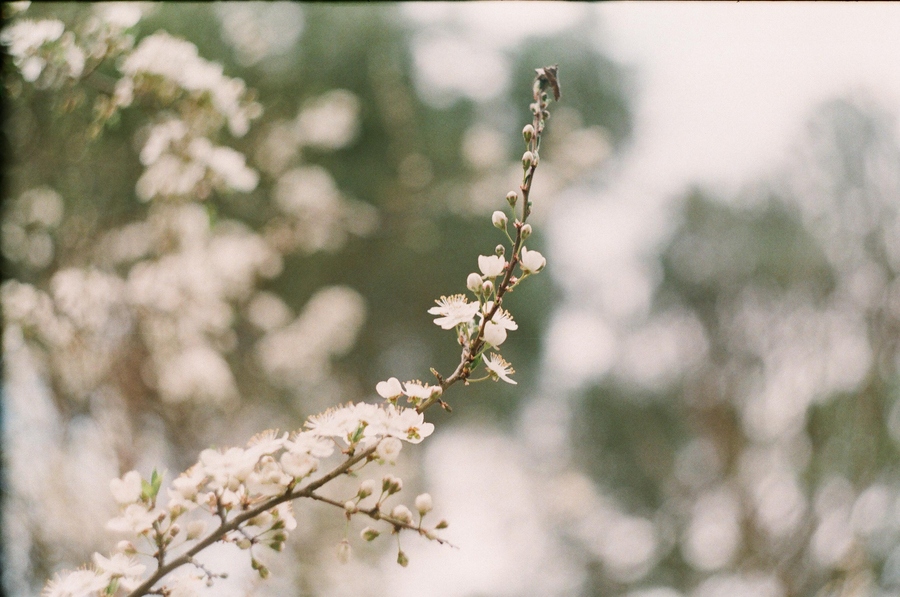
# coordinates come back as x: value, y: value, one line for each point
x: 725, y: 87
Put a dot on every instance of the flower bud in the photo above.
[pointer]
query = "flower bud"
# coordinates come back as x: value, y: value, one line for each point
x: 349, y: 507
x: 260, y: 569
x: 366, y: 488
x: 442, y: 525
x: 424, y: 503
x: 174, y: 529
x: 402, y: 559
x: 369, y: 534
x: 499, y: 250
x: 526, y: 231
x: 499, y: 219
x: 473, y: 283
x: 343, y: 551
x: 391, y: 484
x: 487, y: 288
x: 511, y: 198
x: 402, y: 513
x: 528, y: 133
x: 527, y: 159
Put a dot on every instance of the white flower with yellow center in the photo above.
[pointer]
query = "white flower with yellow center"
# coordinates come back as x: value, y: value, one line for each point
x: 453, y: 310
x: 499, y: 368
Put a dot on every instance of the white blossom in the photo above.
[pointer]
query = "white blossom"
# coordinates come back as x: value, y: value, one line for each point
x: 199, y: 372
x: 330, y: 121
x: 454, y: 310
x: 298, y: 464
x: 388, y: 449
x: 532, y: 261
x: 196, y: 528
x: 32, y: 67
x: 334, y: 422
x: 25, y: 36
x: 285, y: 512
x: 302, y: 351
x: 185, y: 488
x: 502, y: 317
x: 121, y: 15
x: 269, y: 479
x: 419, y: 391
x: 498, y: 367
x: 80, y: 583
x: 228, y: 469
x: 389, y: 389
x: 408, y: 424
x: 119, y: 565
x: 126, y: 490
x: 491, y: 265
x: 495, y: 329
x: 161, y: 138
x: 267, y: 442
x: 309, y: 442
x: 186, y: 585
x: 178, y: 60
x: 136, y: 519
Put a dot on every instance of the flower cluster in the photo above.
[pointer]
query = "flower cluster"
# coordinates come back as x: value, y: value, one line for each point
x: 482, y: 323
x: 248, y: 492
x: 178, y: 165
x: 39, y: 47
x: 176, y: 61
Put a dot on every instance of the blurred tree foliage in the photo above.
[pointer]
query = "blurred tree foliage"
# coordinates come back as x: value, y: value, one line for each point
x: 791, y: 412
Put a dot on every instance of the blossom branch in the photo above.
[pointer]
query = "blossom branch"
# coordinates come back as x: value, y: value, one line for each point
x: 375, y: 513
x: 532, y: 133
x: 254, y: 487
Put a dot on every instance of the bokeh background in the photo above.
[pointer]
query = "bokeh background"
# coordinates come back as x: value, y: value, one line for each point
x: 708, y: 385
